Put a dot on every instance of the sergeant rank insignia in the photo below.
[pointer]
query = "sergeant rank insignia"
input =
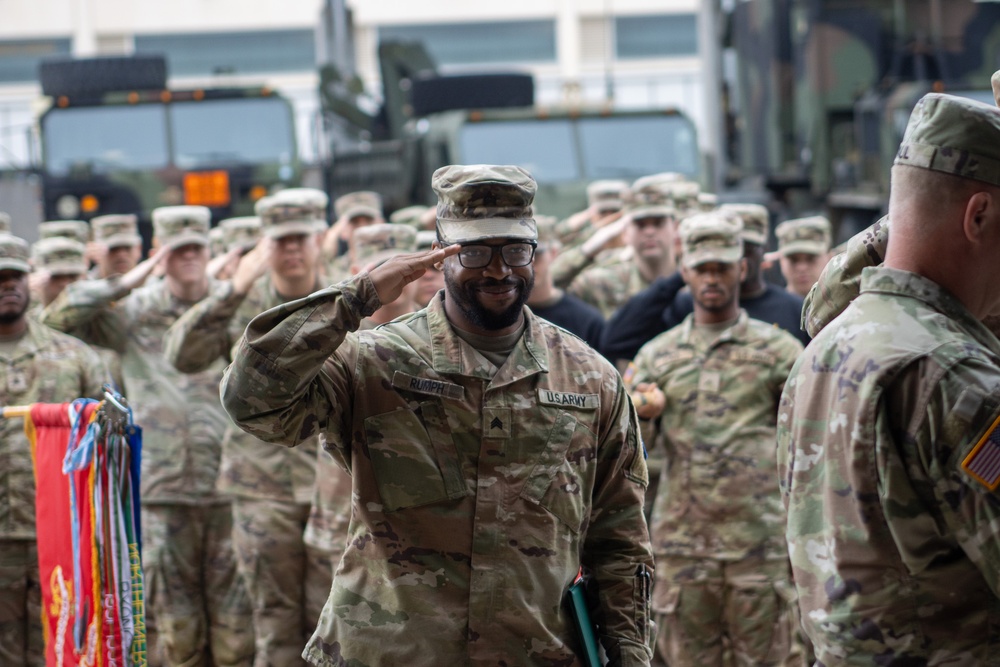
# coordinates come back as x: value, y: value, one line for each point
x: 983, y: 462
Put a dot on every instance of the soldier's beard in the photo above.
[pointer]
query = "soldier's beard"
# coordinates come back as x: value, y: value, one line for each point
x: 465, y: 298
x: 12, y: 316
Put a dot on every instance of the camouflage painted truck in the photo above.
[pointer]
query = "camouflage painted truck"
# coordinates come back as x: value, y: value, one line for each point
x: 816, y: 93
x: 428, y: 120
x: 115, y: 139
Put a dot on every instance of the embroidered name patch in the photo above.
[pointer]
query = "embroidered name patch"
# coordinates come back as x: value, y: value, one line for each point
x: 420, y: 385
x: 983, y: 462
x: 568, y: 400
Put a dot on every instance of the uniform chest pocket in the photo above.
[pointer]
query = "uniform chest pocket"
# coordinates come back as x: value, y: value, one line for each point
x: 563, y: 476
x: 411, y: 467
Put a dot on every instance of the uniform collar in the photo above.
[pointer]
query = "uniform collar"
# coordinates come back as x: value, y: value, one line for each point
x: 735, y: 333
x: 884, y: 280
x: 450, y: 355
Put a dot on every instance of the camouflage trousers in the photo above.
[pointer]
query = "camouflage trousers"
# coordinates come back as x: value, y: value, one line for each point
x: 288, y: 581
x: 720, y: 614
x: 21, y: 639
x: 202, y: 610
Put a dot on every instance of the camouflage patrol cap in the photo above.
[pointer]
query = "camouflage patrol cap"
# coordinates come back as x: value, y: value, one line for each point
x: 78, y: 230
x: 408, y: 216
x: 13, y: 253
x: 376, y: 243
x: 243, y: 232
x: 363, y: 202
x: 684, y: 195
x: 953, y: 135
x: 650, y: 196
x: 176, y: 226
x: 5, y: 222
x: 546, y: 225
x: 478, y: 202
x: 216, y: 241
x: 60, y: 256
x: 755, y: 219
x: 116, y: 230
x: 707, y: 201
x: 610, y: 195
x: 292, y: 211
x: 316, y: 201
x: 804, y: 235
x: 711, y: 237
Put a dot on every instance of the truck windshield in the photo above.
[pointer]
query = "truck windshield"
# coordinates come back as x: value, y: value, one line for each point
x: 543, y: 147
x: 632, y: 146
x: 103, y: 139
x: 218, y: 132
x: 562, y: 150
x: 208, y: 133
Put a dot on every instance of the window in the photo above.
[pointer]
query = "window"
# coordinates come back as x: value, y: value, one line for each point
x: 465, y: 43
x: 656, y: 36
x: 100, y: 140
x: 233, y: 52
x: 543, y: 147
x: 19, y: 59
x: 216, y: 132
x: 628, y: 147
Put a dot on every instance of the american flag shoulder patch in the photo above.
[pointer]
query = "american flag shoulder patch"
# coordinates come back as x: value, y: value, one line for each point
x: 983, y: 462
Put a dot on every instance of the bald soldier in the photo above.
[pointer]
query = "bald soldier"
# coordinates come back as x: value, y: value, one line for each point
x: 888, y: 437
x: 491, y: 455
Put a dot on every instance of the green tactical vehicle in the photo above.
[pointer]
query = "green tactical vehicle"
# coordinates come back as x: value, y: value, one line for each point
x: 428, y: 121
x: 817, y: 93
x: 116, y: 140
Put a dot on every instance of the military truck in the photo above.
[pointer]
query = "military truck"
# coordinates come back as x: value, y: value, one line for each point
x: 816, y: 93
x: 427, y: 120
x: 115, y: 139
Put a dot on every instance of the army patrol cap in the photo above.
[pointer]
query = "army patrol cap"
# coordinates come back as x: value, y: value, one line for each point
x: 651, y: 197
x: 953, y: 135
x: 176, y: 226
x: 244, y: 231
x: 810, y: 235
x: 60, y: 256
x: 711, y: 237
x: 290, y: 212
x: 216, y: 241
x: 363, y: 202
x: 482, y: 201
x: 755, y: 219
x: 408, y: 216
x: 5, y: 222
x: 546, y: 225
x: 684, y: 195
x: 78, y: 230
x: 377, y: 243
x: 611, y: 195
x: 116, y: 230
x: 707, y: 201
x: 13, y: 253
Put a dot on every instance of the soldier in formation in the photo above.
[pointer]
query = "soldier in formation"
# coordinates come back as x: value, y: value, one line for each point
x: 723, y: 591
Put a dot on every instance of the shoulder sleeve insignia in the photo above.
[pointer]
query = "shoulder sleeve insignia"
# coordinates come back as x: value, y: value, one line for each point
x: 983, y: 462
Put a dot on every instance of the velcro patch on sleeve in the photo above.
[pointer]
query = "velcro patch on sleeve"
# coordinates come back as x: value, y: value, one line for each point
x: 983, y: 462
x: 567, y: 400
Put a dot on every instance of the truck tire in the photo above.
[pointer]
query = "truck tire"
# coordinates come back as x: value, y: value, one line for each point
x: 471, y: 91
x: 96, y: 76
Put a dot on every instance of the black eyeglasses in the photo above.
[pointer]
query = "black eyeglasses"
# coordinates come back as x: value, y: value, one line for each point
x: 514, y: 254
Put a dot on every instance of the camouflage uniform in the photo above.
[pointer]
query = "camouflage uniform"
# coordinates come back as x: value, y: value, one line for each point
x: 888, y: 428
x: 477, y: 491
x: 271, y: 488
x: 5, y: 222
x: 201, y: 607
x: 722, y: 580
x: 45, y: 367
